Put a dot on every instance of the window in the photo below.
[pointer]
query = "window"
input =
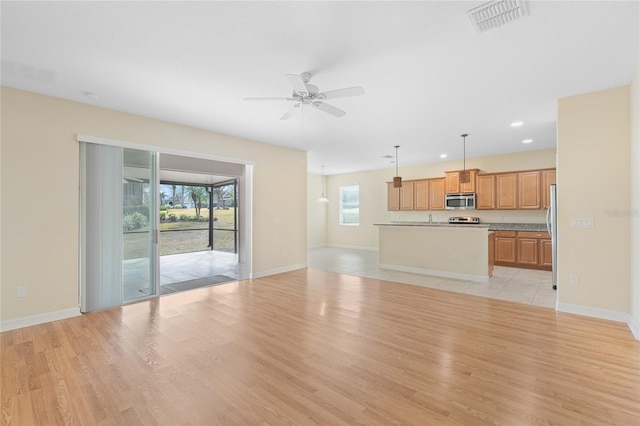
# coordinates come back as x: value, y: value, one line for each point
x: 350, y: 205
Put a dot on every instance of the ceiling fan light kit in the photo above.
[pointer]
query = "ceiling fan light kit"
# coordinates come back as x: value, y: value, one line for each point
x: 308, y: 94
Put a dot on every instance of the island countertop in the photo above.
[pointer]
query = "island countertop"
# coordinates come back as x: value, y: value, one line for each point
x: 536, y: 227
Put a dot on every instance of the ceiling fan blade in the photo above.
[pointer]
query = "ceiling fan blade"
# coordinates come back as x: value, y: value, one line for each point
x: 329, y: 109
x: 269, y: 99
x: 297, y: 82
x: 290, y: 112
x: 341, y: 93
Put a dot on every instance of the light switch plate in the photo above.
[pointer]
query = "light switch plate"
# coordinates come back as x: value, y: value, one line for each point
x: 582, y: 222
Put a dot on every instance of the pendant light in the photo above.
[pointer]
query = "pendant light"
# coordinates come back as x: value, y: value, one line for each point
x: 397, y: 180
x: 465, y: 176
x: 322, y: 198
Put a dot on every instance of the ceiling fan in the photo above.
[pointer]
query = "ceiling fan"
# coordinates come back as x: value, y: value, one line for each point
x: 308, y: 94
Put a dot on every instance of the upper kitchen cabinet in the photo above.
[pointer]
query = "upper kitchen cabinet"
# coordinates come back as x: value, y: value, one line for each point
x: 436, y: 194
x: 393, y: 197
x: 486, y: 192
x: 406, y: 195
x: 421, y: 194
x: 548, y: 179
x: 507, y: 191
x: 529, y: 190
x: 454, y: 186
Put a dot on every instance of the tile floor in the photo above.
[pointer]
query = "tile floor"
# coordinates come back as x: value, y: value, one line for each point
x: 513, y: 284
x: 180, y: 267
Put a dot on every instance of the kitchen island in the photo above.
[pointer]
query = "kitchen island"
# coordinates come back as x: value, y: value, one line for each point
x: 442, y: 249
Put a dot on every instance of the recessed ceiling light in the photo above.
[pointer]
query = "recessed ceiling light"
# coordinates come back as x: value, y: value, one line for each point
x: 517, y: 124
x: 443, y: 155
x: 527, y: 141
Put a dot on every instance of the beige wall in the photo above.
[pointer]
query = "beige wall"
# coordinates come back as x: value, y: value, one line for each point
x: 593, y: 182
x: 373, y: 196
x: 635, y: 203
x: 40, y: 193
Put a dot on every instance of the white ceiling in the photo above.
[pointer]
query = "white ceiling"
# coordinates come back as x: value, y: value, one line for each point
x: 427, y: 74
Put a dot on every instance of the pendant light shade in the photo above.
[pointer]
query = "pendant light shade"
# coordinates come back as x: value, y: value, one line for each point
x: 465, y: 176
x: 322, y: 198
x: 397, y: 180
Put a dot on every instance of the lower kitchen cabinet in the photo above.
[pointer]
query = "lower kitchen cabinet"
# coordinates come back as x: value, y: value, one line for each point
x: 546, y: 255
x: 527, y: 251
x: 523, y: 249
x: 505, y: 248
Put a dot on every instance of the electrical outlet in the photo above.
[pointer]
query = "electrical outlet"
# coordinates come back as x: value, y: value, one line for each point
x: 21, y: 292
x: 500, y: 219
x: 453, y: 257
x: 574, y: 280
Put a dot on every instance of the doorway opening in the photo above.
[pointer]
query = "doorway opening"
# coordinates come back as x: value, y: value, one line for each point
x: 198, y: 232
x: 120, y: 222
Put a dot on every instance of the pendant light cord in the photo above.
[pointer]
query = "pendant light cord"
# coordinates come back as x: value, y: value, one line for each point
x: 464, y: 151
x: 397, y: 146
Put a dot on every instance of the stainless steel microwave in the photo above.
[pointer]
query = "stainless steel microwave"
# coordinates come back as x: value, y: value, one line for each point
x: 460, y: 201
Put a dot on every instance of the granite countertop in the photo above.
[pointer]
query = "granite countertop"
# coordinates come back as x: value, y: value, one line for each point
x: 435, y: 224
x: 536, y: 227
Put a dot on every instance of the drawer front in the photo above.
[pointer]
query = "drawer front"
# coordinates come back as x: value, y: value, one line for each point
x: 505, y: 233
x: 534, y: 234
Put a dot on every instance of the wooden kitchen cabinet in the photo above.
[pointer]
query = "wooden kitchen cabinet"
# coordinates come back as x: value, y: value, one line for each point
x: 421, y: 194
x: 534, y: 250
x: 507, y: 191
x: 393, y: 197
x: 453, y: 185
x: 505, y: 248
x: 523, y: 249
x: 548, y: 179
x: 485, y: 192
x: 436, y: 194
x: 527, y: 251
x: 529, y: 189
x: 546, y: 254
x: 406, y: 195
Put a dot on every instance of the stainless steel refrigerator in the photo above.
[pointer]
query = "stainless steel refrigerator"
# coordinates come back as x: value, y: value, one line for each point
x: 552, y: 228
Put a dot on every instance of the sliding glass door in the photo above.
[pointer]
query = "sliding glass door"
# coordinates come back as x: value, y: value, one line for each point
x: 119, y: 223
x: 139, y: 226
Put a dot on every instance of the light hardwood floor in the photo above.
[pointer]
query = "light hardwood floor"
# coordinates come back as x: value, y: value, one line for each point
x: 318, y: 347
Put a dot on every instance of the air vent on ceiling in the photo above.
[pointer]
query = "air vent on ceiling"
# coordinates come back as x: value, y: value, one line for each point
x: 497, y: 13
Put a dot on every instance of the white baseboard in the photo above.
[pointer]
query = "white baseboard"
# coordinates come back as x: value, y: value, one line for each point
x: 593, y: 312
x: 353, y: 247
x: 314, y: 246
x: 634, y: 326
x: 437, y: 273
x: 602, y: 314
x: 39, y: 319
x: 278, y: 270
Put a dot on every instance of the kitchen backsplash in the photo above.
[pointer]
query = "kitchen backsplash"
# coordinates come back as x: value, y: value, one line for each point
x: 486, y: 216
